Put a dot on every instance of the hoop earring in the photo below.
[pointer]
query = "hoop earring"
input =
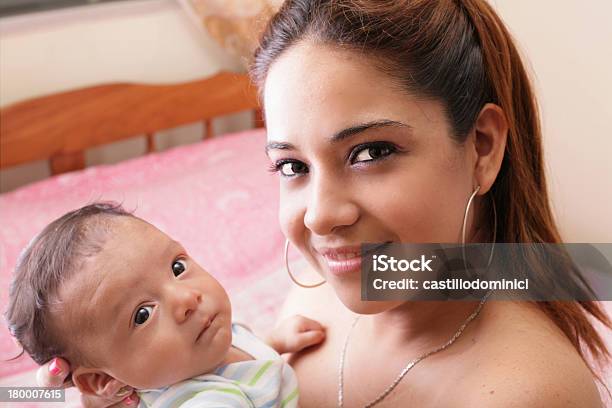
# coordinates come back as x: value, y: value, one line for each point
x: 291, y: 275
x: 465, y: 216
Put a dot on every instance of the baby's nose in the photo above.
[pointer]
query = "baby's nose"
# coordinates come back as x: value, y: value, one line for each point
x: 186, y: 303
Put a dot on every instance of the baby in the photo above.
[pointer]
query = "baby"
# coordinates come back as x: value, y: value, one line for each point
x: 122, y: 301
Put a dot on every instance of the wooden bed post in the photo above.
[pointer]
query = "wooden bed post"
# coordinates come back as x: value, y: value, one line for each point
x: 60, y: 127
x: 258, y: 120
x: 150, y: 142
x: 63, y: 163
x: 208, y: 129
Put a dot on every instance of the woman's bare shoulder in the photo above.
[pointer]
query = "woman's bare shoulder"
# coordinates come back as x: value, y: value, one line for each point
x: 532, y: 383
x: 525, y: 360
x: 519, y: 357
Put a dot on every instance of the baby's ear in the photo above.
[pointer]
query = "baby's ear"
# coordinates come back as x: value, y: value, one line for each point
x: 95, y: 382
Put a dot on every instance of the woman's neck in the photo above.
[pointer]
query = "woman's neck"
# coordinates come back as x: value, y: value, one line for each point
x: 418, y: 323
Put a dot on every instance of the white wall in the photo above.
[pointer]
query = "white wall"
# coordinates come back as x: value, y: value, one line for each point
x: 566, y: 41
x: 569, y: 45
x: 151, y: 41
x: 148, y: 41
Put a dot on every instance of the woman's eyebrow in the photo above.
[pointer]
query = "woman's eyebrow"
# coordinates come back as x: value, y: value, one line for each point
x: 279, y: 145
x: 362, y: 127
x: 344, y: 133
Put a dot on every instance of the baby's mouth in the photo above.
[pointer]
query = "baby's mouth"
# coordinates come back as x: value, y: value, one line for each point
x: 207, y: 324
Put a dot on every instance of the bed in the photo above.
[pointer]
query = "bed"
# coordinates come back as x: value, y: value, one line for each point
x: 215, y: 196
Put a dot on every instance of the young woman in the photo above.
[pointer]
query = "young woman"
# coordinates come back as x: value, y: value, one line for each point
x: 391, y: 121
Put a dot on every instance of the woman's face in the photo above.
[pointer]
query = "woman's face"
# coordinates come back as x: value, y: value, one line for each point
x: 360, y: 161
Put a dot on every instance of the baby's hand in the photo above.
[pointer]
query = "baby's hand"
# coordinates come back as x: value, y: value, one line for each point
x: 296, y: 333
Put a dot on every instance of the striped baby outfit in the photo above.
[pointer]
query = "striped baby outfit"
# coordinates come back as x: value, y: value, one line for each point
x: 266, y: 382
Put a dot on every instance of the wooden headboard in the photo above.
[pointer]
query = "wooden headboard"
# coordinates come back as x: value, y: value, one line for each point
x: 61, y: 126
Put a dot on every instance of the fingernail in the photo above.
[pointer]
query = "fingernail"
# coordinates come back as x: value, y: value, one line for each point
x: 130, y: 400
x: 54, y: 367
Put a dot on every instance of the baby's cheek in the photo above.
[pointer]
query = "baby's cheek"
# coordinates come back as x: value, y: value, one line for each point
x: 148, y: 365
x: 131, y: 370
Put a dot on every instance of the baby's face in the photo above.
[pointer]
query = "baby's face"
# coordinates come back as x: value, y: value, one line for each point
x: 151, y: 316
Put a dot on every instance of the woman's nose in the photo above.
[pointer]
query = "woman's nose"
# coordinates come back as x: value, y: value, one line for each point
x: 185, y: 301
x: 329, y: 207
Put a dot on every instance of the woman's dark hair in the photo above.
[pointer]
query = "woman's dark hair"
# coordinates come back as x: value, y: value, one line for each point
x: 49, y: 260
x: 460, y: 53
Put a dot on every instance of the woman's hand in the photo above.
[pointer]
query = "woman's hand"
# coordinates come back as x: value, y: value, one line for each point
x: 295, y: 334
x: 56, y: 373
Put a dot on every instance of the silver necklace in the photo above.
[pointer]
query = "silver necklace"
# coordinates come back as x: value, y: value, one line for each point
x: 410, y: 365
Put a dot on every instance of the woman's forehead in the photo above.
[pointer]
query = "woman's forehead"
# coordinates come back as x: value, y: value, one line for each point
x: 314, y: 89
x: 312, y: 76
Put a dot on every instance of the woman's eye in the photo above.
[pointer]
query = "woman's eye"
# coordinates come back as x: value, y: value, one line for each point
x: 371, y: 153
x: 142, y: 315
x: 179, y: 266
x: 292, y: 168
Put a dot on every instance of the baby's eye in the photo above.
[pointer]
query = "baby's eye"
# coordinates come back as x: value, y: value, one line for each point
x: 142, y: 314
x: 179, y: 266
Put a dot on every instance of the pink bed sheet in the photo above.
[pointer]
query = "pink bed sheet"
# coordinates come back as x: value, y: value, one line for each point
x: 216, y: 197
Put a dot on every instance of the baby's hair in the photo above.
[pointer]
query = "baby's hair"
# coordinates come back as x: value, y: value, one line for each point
x: 50, y: 259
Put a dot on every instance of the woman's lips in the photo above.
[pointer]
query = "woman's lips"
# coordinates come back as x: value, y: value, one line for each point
x: 343, y: 266
x: 344, y: 260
